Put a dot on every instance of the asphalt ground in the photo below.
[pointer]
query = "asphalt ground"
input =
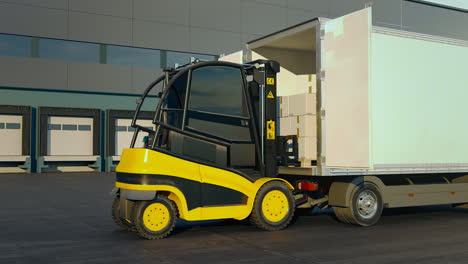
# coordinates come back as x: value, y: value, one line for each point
x: 65, y: 218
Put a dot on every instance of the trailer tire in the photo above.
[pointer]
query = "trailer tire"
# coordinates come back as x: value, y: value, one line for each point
x: 154, y: 219
x: 365, y: 207
x: 116, y: 216
x: 273, y: 207
x: 341, y: 214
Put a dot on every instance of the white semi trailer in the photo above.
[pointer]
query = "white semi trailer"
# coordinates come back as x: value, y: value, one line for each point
x: 391, y: 123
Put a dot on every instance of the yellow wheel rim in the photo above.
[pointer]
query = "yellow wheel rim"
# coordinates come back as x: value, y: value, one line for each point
x: 275, y: 206
x: 156, y: 217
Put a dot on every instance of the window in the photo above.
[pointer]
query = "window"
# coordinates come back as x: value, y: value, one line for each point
x: 455, y: 4
x: 84, y: 127
x: 175, y: 101
x: 68, y: 50
x: 182, y: 58
x: 11, y: 45
x: 176, y: 95
x: 68, y: 127
x: 217, y: 89
x: 13, y: 126
x: 133, y: 56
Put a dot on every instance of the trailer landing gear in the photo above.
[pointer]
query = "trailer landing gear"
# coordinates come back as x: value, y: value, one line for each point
x: 273, y: 206
x: 154, y: 219
x: 365, y: 206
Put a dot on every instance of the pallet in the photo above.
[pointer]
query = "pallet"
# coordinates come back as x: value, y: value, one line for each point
x: 307, y: 163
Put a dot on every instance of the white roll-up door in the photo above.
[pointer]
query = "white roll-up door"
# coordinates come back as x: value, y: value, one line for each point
x: 70, y: 136
x: 11, y: 135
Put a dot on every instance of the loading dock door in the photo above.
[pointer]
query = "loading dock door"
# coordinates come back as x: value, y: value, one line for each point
x: 124, y: 134
x: 11, y: 135
x: 69, y: 136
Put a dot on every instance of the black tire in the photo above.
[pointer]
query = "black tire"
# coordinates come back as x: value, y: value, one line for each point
x: 365, y: 208
x: 116, y: 216
x: 283, y: 195
x: 161, y: 213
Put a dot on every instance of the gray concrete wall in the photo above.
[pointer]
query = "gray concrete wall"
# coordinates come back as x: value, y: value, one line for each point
x: 205, y: 26
x: 199, y: 26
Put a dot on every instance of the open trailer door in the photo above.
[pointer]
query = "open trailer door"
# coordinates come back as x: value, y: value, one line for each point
x: 347, y: 90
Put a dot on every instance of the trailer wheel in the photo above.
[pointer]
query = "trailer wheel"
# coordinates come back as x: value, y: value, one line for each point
x: 273, y: 207
x: 365, y: 206
x: 116, y: 216
x: 155, y: 219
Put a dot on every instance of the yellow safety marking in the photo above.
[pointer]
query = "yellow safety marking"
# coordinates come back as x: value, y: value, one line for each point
x: 271, y: 81
x: 310, y: 89
x: 156, y: 217
x: 298, y: 119
x: 271, y: 129
x: 270, y: 95
x: 310, y: 77
x: 275, y: 206
x: 297, y: 132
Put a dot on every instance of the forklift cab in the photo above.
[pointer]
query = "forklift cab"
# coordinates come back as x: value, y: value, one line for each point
x: 216, y: 113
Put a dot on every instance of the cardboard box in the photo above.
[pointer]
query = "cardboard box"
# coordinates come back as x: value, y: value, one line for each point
x: 284, y: 106
x: 307, y: 148
x: 287, y: 126
x: 306, y: 83
x: 302, y: 104
x: 307, y: 126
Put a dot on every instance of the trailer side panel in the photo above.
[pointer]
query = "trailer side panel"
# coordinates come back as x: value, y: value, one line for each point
x: 419, y: 102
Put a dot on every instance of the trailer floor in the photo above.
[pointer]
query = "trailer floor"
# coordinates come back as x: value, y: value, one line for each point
x: 65, y: 218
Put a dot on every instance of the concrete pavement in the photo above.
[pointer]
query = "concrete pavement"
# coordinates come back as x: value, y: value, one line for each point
x: 65, y: 218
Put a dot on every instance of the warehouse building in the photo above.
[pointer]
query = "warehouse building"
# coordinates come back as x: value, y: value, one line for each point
x: 71, y: 71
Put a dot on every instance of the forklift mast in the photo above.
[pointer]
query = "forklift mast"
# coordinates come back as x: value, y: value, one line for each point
x: 265, y: 105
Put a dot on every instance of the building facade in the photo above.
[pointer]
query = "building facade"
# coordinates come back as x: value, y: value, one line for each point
x: 101, y: 54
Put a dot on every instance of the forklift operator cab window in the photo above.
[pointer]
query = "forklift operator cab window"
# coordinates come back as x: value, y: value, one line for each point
x: 174, y: 103
x: 217, y: 89
x: 217, y: 109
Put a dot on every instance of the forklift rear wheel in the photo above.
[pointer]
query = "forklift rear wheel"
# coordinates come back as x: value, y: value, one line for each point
x: 116, y: 216
x: 155, y: 219
x: 365, y: 208
x: 273, y: 207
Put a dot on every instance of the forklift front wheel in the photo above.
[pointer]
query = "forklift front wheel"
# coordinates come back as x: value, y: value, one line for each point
x: 273, y: 206
x: 155, y: 219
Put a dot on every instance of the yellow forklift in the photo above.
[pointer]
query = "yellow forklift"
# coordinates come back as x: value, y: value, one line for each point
x: 212, y: 153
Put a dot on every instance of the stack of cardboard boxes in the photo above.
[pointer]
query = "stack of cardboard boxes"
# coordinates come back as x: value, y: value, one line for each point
x: 298, y: 117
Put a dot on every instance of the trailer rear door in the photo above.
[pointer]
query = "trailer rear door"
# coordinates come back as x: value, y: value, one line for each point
x: 347, y: 89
